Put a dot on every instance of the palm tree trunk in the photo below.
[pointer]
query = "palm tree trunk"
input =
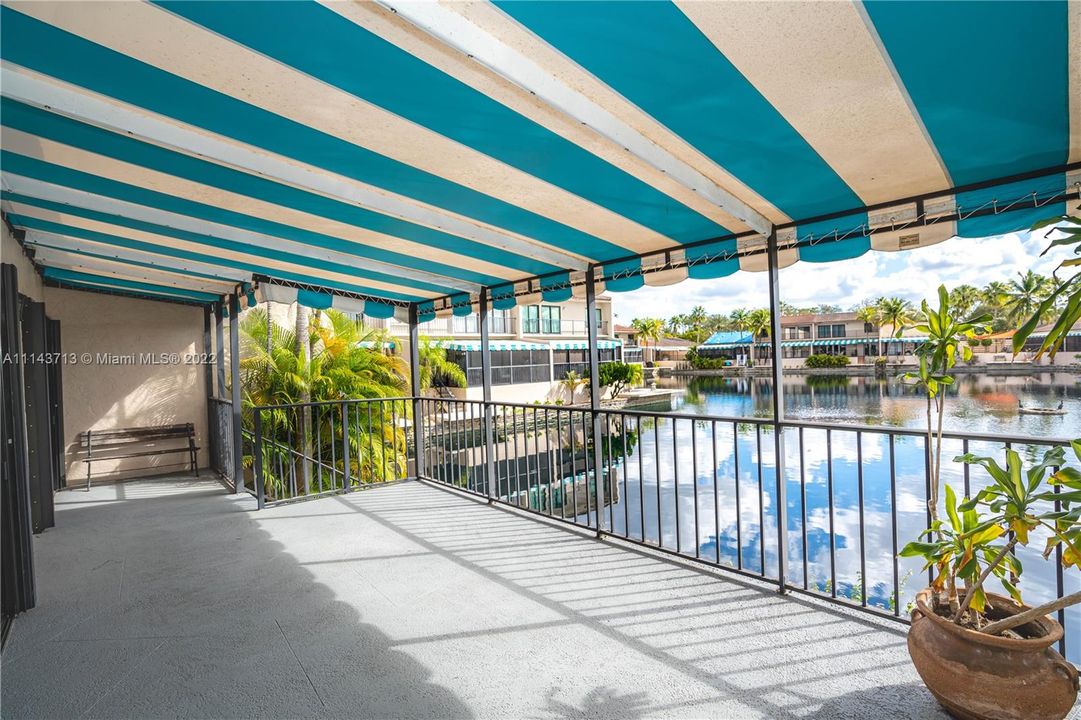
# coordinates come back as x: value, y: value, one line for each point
x: 303, y: 349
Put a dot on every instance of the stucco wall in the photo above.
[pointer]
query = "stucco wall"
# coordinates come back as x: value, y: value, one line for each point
x: 11, y: 253
x: 100, y: 395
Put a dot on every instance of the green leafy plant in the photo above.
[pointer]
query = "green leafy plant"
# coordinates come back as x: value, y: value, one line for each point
x: 618, y: 376
x: 979, y: 539
x: 938, y: 355
x: 827, y: 361
x: 1063, y: 295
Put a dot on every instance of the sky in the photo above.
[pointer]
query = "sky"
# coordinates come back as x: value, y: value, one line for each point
x: 911, y: 274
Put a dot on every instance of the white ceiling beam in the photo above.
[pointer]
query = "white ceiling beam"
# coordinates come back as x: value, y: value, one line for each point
x: 39, y: 238
x: 33, y: 187
x: 81, y: 263
x: 32, y: 89
x: 445, y: 24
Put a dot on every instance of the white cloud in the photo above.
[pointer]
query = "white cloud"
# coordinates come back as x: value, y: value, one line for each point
x: 913, y: 274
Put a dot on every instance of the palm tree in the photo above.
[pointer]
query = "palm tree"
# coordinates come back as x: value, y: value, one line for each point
x: 895, y: 312
x: 648, y: 330
x: 696, y: 321
x: 964, y: 299
x: 1023, y: 296
x: 871, y: 313
x: 758, y: 323
x: 275, y: 369
x: 435, y: 369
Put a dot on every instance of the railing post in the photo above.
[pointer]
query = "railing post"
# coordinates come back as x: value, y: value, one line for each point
x: 234, y: 368
x: 257, y: 460
x: 595, y: 396
x: 778, y: 410
x: 346, y: 479
x: 208, y: 384
x: 415, y: 389
x: 486, y: 382
x: 219, y: 355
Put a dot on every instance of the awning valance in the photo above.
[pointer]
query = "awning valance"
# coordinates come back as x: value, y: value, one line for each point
x: 654, y: 141
x: 584, y: 345
x: 474, y: 345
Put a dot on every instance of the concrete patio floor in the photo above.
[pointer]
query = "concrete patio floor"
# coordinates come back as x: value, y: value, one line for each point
x: 172, y: 598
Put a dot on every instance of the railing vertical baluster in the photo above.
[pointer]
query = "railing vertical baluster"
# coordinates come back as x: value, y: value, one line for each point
x: 739, y: 509
x: 803, y: 508
x: 394, y: 438
x: 328, y: 411
x: 761, y: 504
x: 641, y: 476
x: 383, y: 435
x: 347, y: 471
x: 316, y: 414
x: 893, y: 528
x: 1059, y: 580
x: 965, y: 467
x: 257, y: 460
x: 675, y: 480
x: 863, y: 526
x: 657, y: 475
x: 694, y: 479
x: 927, y: 483
x: 716, y: 501
x: 292, y: 452
x: 559, y: 466
x: 371, y: 443
x: 591, y: 506
x: 550, y: 459
x: 517, y: 458
x: 608, y: 469
x: 833, y: 536
x: 623, y: 419
x: 574, y: 464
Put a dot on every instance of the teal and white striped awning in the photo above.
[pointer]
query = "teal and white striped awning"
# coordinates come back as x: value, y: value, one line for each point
x: 823, y: 342
x: 584, y: 345
x: 493, y: 344
x: 403, y: 152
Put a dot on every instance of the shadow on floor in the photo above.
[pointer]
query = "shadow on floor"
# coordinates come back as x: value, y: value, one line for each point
x: 165, y: 598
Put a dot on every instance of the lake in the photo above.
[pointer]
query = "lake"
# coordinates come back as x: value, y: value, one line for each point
x: 659, y: 503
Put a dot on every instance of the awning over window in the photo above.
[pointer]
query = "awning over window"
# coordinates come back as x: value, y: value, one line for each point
x: 584, y: 345
x: 494, y: 345
x: 402, y: 152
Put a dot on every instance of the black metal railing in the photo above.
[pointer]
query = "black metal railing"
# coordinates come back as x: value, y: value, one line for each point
x: 704, y: 488
x: 220, y: 437
x: 306, y: 450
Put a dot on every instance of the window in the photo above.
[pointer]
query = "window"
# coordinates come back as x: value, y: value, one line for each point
x: 498, y: 323
x: 831, y: 331
x: 550, y: 316
x: 797, y: 332
x: 541, y: 319
x: 508, y: 366
x: 564, y: 361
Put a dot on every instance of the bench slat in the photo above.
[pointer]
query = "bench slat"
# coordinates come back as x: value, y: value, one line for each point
x: 140, y: 454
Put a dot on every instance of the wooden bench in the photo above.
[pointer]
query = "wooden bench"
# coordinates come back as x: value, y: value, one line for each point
x: 138, y: 442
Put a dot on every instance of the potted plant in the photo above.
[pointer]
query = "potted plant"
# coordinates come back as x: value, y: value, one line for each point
x: 984, y: 655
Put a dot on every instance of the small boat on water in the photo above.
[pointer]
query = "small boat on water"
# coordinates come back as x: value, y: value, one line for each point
x: 1041, y: 411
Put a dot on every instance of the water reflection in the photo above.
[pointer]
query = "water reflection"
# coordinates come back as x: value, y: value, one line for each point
x: 683, y: 480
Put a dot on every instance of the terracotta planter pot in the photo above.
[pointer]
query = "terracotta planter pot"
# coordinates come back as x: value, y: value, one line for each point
x: 983, y: 677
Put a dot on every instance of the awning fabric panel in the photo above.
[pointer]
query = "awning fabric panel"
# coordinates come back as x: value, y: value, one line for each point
x: 471, y: 345
x: 657, y: 141
x: 584, y: 345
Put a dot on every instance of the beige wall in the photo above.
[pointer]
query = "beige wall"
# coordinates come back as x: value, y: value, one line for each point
x: 11, y: 253
x: 99, y: 395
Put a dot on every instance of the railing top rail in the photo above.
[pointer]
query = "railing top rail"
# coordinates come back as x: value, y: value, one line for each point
x: 349, y: 401
x: 788, y: 422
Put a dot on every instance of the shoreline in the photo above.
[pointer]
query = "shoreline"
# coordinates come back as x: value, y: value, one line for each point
x: 1022, y: 368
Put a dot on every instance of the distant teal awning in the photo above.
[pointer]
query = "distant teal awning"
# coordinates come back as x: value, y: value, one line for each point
x: 583, y: 345
x: 494, y: 345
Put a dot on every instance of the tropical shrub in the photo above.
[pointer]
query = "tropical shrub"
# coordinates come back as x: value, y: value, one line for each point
x: 827, y: 361
x: 1062, y: 298
x: 699, y: 362
x: 341, y: 361
x: 618, y: 376
x: 981, y: 534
